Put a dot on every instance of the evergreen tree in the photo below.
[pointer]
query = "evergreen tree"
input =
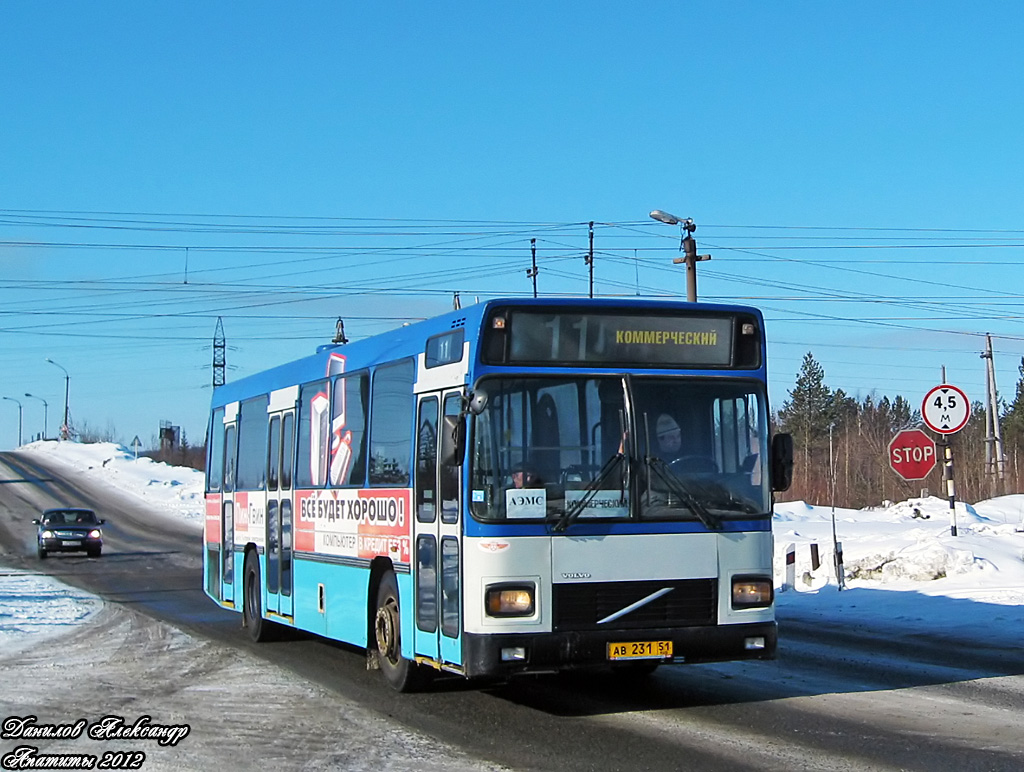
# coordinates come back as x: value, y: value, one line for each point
x: 1013, y: 432
x: 862, y: 432
x: 1013, y: 417
x: 809, y: 410
x: 807, y: 415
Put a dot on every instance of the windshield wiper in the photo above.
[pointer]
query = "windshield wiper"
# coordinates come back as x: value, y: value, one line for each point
x: 574, y: 510
x: 676, y: 486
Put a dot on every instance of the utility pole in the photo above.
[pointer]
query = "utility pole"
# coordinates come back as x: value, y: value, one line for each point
x: 65, y: 430
x: 688, y: 245
x: 46, y: 411
x: 690, y: 258
x: 994, y: 460
x: 20, y: 415
x: 219, y: 348
x: 531, y: 273
x: 590, y: 258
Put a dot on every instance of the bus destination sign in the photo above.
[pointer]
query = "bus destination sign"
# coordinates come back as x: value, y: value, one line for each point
x: 613, y: 339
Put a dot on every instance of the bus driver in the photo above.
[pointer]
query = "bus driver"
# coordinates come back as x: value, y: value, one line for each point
x: 670, y: 448
x: 669, y: 436
x: 523, y: 476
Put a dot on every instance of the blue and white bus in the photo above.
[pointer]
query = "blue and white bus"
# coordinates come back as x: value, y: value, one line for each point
x: 520, y: 486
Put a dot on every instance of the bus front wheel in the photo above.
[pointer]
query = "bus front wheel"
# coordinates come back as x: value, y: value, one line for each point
x: 400, y: 673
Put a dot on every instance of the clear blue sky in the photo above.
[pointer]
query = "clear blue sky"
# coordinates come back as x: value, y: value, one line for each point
x: 855, y: 171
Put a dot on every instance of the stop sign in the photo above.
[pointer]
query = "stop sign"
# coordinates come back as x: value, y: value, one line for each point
x: 912, y: 454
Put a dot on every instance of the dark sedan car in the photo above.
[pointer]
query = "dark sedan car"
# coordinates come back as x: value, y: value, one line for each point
x: 70, y: 529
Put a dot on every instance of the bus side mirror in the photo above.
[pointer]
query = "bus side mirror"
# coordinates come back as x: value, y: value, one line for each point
x: 453, y: 440
x: 477, y: 402
x: 782, y: 462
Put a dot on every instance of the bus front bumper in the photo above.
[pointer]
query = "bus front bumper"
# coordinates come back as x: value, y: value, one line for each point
x: 509, y: 654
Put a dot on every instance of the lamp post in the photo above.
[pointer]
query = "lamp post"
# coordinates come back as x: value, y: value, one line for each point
x: 65, y: 430
x: 46, y: 411
x: 689, y: 247
x: 12, y: 399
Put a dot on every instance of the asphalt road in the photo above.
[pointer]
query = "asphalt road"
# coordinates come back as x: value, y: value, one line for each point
x: 837, y: 698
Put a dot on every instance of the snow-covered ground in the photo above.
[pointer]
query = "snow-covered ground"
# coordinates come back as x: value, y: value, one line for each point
x: 894, y: 554
x: 903, y: 565
x: 174, y: 490
x: 107, y: 660
x: 35, y: 607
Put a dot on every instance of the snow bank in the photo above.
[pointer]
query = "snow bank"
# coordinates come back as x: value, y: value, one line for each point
x: 175, y: 490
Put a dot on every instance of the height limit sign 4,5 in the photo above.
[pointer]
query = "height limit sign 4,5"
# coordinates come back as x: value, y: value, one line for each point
x: 945, y: 409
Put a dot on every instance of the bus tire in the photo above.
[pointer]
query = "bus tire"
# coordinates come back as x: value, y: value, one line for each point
x: 401, y: 674
x: 252, y: 606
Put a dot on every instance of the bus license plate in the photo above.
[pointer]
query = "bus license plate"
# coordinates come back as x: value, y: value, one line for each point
x: 640, y: 650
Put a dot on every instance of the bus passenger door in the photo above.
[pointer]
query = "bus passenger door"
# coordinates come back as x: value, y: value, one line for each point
x: 279, y: 537
x: 437, y: 543
x: 227, y: 506
x: 450, y: 554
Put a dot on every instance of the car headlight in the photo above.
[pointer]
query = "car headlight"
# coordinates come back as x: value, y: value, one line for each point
x: 47, y: 534
x: 752, y: 592
x: 510, y: 600
x: 95, y: 533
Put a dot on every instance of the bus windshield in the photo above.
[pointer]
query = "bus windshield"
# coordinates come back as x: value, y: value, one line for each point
x: 637, y: 447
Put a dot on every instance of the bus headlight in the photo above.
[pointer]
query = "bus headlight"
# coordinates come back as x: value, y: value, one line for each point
x: 752, y: 592
x: 510, y: 600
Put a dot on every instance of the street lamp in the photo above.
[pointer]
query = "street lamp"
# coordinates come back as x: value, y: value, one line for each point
x: 689, y: 247
x: 46, y: 410
x: 12, y: 399
x: 65, y: 430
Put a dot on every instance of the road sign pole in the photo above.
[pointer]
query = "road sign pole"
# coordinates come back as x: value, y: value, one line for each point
x: 947, y: 476
x: 837, y: 562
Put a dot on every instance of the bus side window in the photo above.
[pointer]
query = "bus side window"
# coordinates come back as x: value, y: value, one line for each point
x: 426, y: 462
x: 288, y: 451
x: 354, y: 390
x: 274, y: 454
x: 449, y: 494
x: 364, y: 402
x: 313, y: 441
x: 252, y: 444
x: 215, y: 463
x: 391, y: 424
x: 230, y: 452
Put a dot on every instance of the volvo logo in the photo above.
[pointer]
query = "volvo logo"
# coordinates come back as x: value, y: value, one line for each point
x: 575, y: 575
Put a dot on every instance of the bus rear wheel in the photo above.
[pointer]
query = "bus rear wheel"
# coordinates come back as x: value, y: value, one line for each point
x: 400, y: 673
x: 252, y: 606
